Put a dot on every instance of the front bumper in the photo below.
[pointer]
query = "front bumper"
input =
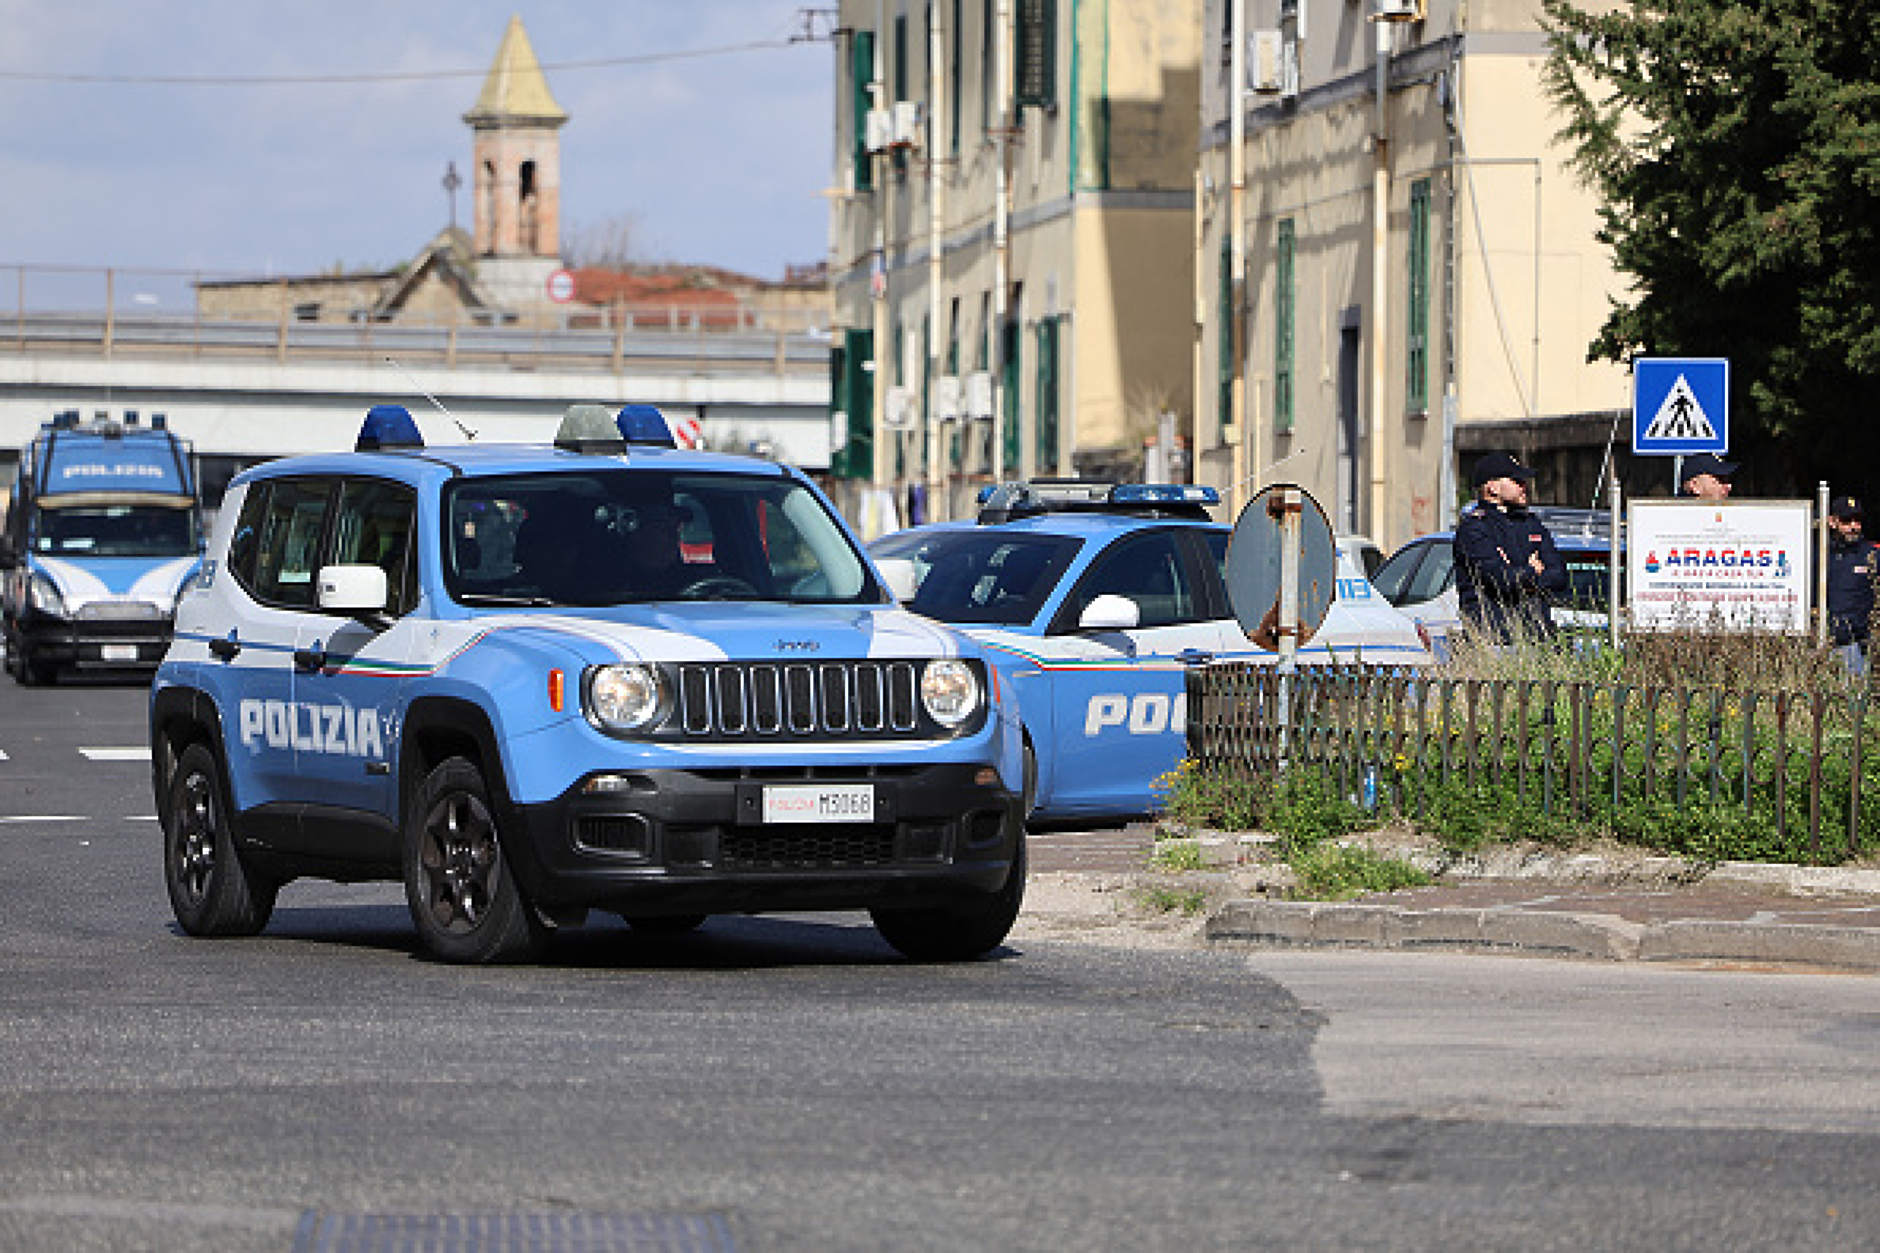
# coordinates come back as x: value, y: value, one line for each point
x: 95, y: 643
x: 694, y: 841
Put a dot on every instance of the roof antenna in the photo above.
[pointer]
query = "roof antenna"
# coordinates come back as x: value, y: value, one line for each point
x: 468, y: 434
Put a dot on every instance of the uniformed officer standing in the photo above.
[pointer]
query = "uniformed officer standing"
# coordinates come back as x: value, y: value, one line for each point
x: 1851, y: 570
x: 1506, y: 562
x: 1706, y: 476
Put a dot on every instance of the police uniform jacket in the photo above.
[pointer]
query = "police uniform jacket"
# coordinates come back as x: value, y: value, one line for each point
x: 1497, y: 590
x: 1851, y: 569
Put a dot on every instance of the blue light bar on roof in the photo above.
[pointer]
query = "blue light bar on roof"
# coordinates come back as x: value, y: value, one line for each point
x: 388, y: 426
x: 1163, y: 494
x: 645, y: 424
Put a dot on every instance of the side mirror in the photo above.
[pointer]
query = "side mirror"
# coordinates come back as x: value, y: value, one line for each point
x: 1110, y: 613
x: 357, y: 590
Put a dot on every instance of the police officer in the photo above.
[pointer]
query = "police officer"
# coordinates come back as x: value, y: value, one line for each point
x: 1705, y: 476
x: 1851, y: 569
x: 1506, y: 562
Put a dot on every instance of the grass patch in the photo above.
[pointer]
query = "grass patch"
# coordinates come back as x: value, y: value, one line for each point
x: 1175, y: 856
x: 1337, y: 872
x: 1185, y: 901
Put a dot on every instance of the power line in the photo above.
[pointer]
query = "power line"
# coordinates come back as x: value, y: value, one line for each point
x: 336, y: 80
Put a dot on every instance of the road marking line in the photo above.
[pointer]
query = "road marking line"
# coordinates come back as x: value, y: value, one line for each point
x: 116, y: 754
x: 3, y: 754
x: 43, y: 818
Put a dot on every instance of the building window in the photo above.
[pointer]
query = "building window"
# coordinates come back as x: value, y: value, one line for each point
x: 1283, y: 314
x: 1417, y: 351
x: 1228, y: 336
x: 861, y: 74
x: 852, y: 392
x: 1036, y: 53
x: 1050, y: 336
x: 1008, y: 368
x: 957, y: 74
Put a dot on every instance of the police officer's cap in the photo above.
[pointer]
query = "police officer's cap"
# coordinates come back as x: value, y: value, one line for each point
x: 1846, y: 509
x: 1707, y: 463
x: 1499, y: 465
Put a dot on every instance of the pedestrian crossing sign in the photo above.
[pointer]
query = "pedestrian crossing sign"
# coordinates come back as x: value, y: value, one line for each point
x: 1680, y: 405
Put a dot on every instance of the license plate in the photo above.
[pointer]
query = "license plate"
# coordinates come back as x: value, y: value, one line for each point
x: 117, y: 652
x: 819, y: 802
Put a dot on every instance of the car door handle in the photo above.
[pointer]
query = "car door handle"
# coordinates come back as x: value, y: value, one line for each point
x: 226, y: 649
x: 309, y: 659
x: 1194, y: 656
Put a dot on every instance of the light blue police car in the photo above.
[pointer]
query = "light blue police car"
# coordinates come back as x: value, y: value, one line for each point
x: 1093, y: 600
x: 535, y: 681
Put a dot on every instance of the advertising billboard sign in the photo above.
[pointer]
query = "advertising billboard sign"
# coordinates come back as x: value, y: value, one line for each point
x: 1716, y: 565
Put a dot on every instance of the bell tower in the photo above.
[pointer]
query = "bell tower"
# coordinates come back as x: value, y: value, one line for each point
x: 516, y: 190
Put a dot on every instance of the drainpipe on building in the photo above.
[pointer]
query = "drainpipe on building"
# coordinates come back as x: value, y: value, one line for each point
x: 1246, y: 446
x: 1379, y: 526
x: 1001, y: 226
x: 939, y: 509
x: 881, y: 477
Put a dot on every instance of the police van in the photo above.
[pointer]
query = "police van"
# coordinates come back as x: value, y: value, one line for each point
x: 536, y: 681
x: 103, y: 530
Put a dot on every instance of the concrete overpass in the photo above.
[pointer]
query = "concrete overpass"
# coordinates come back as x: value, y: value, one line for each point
x: 247, y: 391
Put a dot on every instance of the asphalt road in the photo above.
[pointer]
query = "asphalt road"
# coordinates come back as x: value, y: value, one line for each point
x: 789, y: 1083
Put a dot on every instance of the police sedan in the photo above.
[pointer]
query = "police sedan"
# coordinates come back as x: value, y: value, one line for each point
x: 1092, y: 601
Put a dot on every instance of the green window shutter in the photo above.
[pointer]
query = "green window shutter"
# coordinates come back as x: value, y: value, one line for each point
x: 1225, y: 367
x: 1417, y: 350
x: 958, y: 75
x: 861, y: 70
x: 853, y: 392
x: 1283, y: 313
x: 1008, y: 366
x: 1048, y: 380
x: 1035, y: 53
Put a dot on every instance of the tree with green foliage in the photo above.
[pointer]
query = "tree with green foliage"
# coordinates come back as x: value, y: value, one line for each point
x: 1735, y: 147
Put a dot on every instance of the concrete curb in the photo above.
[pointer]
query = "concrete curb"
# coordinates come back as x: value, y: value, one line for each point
x: 1262, y: 924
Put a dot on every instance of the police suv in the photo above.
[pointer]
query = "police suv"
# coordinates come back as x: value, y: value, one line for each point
x: 532, y: 681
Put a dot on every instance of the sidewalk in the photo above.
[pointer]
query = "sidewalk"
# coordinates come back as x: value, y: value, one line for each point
x: 1584, y: 906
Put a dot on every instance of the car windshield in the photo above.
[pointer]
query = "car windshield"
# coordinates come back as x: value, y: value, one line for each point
x: 116, y: 531
x: 987, y: 577
x: 619, y: 536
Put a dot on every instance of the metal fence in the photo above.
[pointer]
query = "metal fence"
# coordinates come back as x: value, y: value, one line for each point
x: 1569, y: 748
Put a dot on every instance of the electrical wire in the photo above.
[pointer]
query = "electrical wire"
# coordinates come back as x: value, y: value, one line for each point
x: 347, y: 80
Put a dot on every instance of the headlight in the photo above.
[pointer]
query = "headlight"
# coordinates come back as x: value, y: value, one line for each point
x: 627, y: 697
x: 46, y: 598
x: 950, y: 691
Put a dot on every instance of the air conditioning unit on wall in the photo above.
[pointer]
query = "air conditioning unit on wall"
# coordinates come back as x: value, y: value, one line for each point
x: 1399, y: 10
x: 1266, y: 58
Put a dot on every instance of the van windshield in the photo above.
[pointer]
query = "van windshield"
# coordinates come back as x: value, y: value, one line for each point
x: 115, y: 531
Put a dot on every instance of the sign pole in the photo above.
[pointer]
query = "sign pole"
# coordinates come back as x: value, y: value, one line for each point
x: 1613, y: 600
x: 1289, y: 553
x: 1821, y: 564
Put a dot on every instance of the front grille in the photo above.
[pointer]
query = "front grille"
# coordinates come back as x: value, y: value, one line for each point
x: 798, y: 700
x: 771, y: 848
x: 119, y: 611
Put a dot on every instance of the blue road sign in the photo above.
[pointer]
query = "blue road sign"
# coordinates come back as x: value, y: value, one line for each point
x: 1680, y: 405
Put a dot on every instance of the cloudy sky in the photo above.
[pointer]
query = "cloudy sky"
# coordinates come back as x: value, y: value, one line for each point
x: 241, y: 136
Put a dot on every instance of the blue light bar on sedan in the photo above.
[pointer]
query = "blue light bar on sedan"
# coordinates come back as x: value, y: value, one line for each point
x: 1163, y: 494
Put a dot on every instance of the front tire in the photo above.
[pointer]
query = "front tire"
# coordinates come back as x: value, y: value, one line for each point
x: 458, y: 883
x: 212, y: 892
x: 962, y: 932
